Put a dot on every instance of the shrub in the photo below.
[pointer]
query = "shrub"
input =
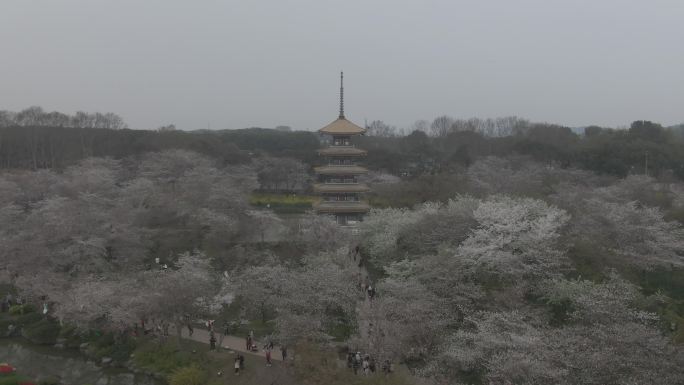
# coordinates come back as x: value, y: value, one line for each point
x: 120, y: 351
x: 189, y: 375
x: 71, y: 335
x: 21, y: 309
x: 107, y: 345
x: 43, y: 332
x: 27, y: 319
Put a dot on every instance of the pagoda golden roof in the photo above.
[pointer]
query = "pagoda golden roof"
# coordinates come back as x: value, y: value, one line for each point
x: 342, y: 126
x: 342, y: 151
x: 341, y: 207
x: 341, y: 187
x: 340, y: 170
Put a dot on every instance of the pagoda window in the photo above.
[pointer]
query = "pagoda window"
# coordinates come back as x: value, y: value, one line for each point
x: 341, y: 162
x: 344, y: 141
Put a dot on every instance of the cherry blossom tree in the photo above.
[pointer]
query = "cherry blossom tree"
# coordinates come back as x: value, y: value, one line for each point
x: 319, y: 233
x: 514, y: 237
x: 404, y: 322
x: 305, y: 301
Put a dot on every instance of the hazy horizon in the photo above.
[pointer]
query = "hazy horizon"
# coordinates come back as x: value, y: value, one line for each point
x: 228, y: 64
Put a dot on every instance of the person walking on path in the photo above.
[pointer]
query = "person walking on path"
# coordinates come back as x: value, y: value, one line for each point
x: 212, y: 340
x: 236, y: 364
x: 227, y: 329
x: 366, y: 366
x: 386, y: 367
x: 283, y: 352
x: 268, y: 357
x: 357, y: 362
x: 248, y: 343
x: 371, y: 292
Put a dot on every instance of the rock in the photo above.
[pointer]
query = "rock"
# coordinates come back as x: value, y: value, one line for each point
x: 61, y: 341
x: 83, y: 346
x: 59, y: 346
x: 106, y: 360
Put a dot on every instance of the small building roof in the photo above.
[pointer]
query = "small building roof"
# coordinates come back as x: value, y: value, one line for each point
x: 342, y: 126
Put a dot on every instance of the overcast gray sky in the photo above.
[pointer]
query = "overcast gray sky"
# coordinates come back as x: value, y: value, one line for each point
x: 235, y: 64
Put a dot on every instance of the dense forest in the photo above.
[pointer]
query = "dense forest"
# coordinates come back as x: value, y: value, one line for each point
x: 442, y: 146
x: 499, y: 251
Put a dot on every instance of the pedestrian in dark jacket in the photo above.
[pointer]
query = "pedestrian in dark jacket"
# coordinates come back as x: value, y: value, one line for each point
x: 212, y: 340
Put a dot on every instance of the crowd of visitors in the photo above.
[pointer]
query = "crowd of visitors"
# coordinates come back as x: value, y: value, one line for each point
x: 366, y: 364
x: 151, y: 327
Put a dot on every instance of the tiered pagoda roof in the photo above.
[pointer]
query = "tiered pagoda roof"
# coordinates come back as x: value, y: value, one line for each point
x: 342, y: 126
x: 341, y: 199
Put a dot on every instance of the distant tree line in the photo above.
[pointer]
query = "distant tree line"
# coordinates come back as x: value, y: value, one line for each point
x: 35, y: 147
x: 644, y: 148
x: 34, y: 139
x: 56, y: 147
x: 36, y: 117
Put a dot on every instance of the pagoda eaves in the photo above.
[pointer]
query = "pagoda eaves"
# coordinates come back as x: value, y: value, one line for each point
x: 338, y: 180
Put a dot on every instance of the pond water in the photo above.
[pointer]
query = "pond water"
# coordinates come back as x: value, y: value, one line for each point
x: 73, y: 369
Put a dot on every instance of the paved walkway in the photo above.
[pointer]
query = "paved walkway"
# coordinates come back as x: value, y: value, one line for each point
x: 234, y: 343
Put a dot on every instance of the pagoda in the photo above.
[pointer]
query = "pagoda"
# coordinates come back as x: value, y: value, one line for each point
x: 338, y: 178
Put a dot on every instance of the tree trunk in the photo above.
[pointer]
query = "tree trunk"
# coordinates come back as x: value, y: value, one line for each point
x: 263, y: 313
x: 179, y: 335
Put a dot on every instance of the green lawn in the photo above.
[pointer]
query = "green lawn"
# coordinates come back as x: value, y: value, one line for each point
x: 12, y: 379
x: 218, y: 365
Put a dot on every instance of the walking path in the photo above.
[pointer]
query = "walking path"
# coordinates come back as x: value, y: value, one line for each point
x: 238, y: 344
x: 233, y: 343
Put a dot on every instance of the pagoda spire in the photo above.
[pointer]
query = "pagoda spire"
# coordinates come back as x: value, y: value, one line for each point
x: 341, y: 95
